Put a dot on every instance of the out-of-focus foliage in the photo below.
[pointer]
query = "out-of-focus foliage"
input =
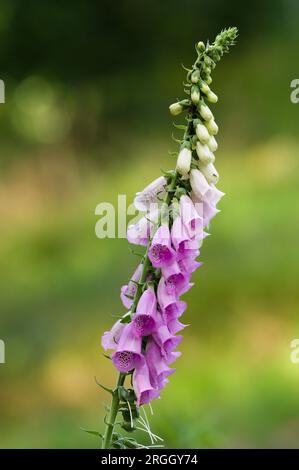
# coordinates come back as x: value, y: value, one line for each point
x: 88, y: 86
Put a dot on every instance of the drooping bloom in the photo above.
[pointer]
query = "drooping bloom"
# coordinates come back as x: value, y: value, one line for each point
x: 161, y: 252
x: 179, y: 235
x: 175, y: 281
x: 202, y: 190
x: 139, y: 233
x: 188, y: 264
x: 157, y: 365
x: 143, y: 388
x: 128, y: 291
x: 154, y: 192
x: 144, y: 321
x: 171, y: 307
x: 128, y: 354
x: 190, y: 218
x: 167, y: 341
x: 111, y: 338
x: 174, y: 326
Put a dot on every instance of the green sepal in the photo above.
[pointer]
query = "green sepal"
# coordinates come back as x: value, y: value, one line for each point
x: 126, y: 319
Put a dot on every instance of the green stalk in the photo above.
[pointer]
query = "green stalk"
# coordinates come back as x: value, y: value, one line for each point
x: 113, y: 413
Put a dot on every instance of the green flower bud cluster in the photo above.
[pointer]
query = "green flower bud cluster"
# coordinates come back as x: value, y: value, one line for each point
x: 199, y: 144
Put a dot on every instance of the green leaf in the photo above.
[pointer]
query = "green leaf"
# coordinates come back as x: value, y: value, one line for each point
x: 95, y: 433
x: 103, y: 386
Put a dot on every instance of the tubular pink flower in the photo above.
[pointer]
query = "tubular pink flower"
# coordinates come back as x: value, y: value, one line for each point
x: 151, y: 194
x: 157, y: 366
x: 128, y: 353
x: 175, y: 326
x: 175, y: 281
x: 128, y: 291
x: 188, y: 254
x: 161, y: 252
x: 170, y: 306
x: 206, y: 209
x: 139, y: 233
x: 111, y: 338
x: 145, y: 392
x: 165, y: 339
x: 191, y: 219
x: 172, y: 357
x: 209, y: 211
x: 188, y: 265
x: 179, y: 235
x: 144, y: 321
x: 202, y: 190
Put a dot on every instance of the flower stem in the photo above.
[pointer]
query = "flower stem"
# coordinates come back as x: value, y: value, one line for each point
x: 113, y: 413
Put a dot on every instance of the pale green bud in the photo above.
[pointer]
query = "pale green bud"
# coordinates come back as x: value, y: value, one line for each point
x: 212, y: 127
x: 209, y: 172
x: 176, y: 109
x: 201, y: 46
x: 195, y: 77
x: 184, y: 161
x: 204, y: 88
x: 205, y: 112
x: 212, y: 157
x: 202, y: 133
x: 212, y: 144
x: 212, y: 97
x: 209, y: 80
x: 204, y: 154
x: 195, y: 95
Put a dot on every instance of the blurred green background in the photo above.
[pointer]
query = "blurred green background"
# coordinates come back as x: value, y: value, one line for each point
x: 88, y: 86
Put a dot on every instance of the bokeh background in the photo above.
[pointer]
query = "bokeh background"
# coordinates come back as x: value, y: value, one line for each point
x: 88, y: 86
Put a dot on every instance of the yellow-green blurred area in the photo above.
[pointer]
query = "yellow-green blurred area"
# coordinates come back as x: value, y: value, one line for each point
x: 88, y: 86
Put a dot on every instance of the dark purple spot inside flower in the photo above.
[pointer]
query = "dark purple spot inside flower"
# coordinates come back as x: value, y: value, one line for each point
x: 125, y: 361
x: 160, y: 254
x: 144, y: 325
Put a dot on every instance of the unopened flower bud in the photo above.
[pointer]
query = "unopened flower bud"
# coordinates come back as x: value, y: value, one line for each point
x: 212, y: 144
x: 212, y: 127
x: 201, y: 46
x: 212, y: 97
x: 205, y: 88
x: 195, y: 77
x: 176, y: 109
x: 209, y: 172
x: 204, y: 153
x: 202, y: 133
x: 205, y: 112
x: 195, y: 95
x: 184, y: 161
x: 209, y: 80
